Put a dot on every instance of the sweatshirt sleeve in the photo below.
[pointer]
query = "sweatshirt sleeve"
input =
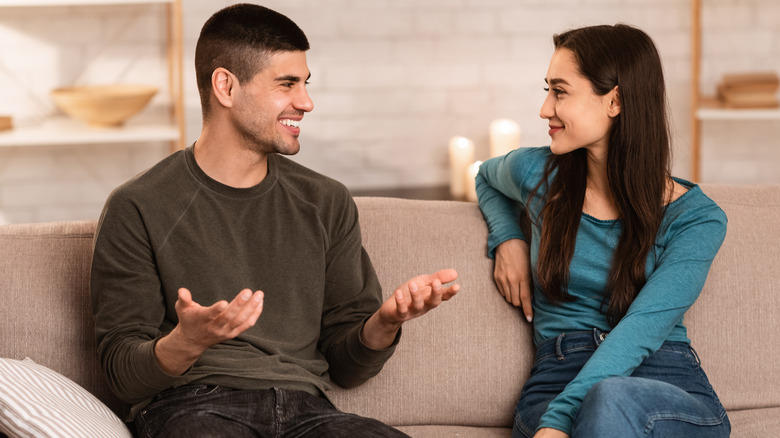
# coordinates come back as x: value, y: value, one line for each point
x: 127, y: 302
x: 503, y: 185
x: 352, y: 295
x: 691, y: 244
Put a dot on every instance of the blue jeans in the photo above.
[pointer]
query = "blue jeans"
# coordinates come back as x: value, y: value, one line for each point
x: 668, y: 395
x: 215, y: 411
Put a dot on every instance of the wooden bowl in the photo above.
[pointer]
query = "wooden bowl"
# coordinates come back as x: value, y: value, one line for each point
x: 103, y: 105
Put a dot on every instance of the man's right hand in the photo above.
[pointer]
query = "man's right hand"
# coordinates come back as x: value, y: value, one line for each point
x: 512, y: 274
x: 202, y: 327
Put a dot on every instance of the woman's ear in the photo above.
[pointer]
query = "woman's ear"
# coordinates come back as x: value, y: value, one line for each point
x: 224, y: 84
x: 614, y: 103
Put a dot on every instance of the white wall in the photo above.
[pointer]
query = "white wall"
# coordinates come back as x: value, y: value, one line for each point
x: 392, y: 81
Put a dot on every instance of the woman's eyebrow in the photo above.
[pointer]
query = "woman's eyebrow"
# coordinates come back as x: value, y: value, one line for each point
x: 556, y: 81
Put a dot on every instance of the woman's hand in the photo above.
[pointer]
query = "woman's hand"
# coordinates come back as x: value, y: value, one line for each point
x: 547, y: 432
x: 513, y: 274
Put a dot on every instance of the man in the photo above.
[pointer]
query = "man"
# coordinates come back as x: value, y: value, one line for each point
x: 230, y: 214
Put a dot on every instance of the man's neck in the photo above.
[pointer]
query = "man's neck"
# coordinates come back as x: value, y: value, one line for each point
x: 227, y: 161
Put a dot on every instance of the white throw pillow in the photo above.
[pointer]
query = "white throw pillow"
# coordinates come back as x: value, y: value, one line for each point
x: 36, y: 401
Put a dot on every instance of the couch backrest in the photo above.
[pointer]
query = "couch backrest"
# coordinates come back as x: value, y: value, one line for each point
x: 467, y: 359
x: 734, y: 325
x: 472, y: 354
x: 45, y: 313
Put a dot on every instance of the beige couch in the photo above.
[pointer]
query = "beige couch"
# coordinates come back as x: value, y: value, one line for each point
x: 459, y: 370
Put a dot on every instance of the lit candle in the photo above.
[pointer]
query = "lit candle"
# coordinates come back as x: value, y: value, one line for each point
x: 504, y: 137
x: 461, y: 154
x: 471, y: 185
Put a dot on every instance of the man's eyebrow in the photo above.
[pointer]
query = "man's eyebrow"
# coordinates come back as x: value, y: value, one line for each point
x: 290, y: 78
x: 556, y: 81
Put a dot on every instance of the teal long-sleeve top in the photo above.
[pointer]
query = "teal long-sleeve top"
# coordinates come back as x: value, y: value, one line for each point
x: 692, y: 230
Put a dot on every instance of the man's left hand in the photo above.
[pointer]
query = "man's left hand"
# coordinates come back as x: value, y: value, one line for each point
x: 414, y: 298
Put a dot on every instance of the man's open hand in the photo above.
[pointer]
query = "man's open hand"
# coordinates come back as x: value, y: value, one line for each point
x: 201, y: 327
x: 412, y: 299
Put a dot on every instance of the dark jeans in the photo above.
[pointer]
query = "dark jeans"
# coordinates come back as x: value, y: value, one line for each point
x: 668, y: 395
x: 214, y: 411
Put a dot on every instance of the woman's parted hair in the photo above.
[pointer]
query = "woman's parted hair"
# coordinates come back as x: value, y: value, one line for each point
x: 240, y: 38
x: 638, y: 164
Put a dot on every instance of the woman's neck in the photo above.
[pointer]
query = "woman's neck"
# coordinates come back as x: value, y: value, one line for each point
x: 599, y: 202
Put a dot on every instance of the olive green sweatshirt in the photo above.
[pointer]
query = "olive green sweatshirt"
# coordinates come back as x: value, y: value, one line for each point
x: 295, y: 236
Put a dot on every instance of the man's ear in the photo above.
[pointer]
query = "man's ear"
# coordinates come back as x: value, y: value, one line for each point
x: 224, y: 85
x: 614, y: 107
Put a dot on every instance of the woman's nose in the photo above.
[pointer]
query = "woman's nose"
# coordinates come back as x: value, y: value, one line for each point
x: 548, y: 107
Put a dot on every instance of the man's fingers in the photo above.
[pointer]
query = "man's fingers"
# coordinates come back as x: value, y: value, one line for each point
x: 250, y: 311
x: 230, y: 316
x: 239, y: 310
x: 436, y: 294
x: 446, y: 275
x: 400, y: 302
x: 450, y: 292
x: 418, y: 301
x: 185, y: 297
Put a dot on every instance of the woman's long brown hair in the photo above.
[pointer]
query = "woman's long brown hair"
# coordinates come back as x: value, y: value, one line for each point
x: 638, y: 160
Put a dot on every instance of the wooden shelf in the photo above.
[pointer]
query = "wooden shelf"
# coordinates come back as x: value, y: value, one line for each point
x: 25, y: 3
x: 704, y: 108
x: 61, y: 131
x: 64, y: 131
x: 711, y: 109
x: 737, y: 114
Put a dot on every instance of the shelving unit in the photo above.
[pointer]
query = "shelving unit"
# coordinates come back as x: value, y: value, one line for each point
x: 65, y: 131
x: 701, y: 109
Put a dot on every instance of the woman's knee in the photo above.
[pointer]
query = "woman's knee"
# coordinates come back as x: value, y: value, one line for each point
x: 611, y: 408
x: 611, y: 392
x: 633, y: 406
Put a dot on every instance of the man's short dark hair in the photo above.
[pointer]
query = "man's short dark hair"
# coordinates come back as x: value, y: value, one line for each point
x: 240, y: 38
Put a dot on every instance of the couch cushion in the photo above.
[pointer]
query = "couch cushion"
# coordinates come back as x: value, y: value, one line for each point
x: 455, y: 431
x: 38, y: 402
x: 465, y: 362
x: 755, y: 423
x: 734, y: 323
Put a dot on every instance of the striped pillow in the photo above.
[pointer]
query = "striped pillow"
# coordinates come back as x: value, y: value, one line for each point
x: 36, y: 401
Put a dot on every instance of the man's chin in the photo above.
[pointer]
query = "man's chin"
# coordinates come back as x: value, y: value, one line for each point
x: 289, y: 150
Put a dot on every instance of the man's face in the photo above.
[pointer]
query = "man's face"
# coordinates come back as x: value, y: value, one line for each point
x: 269, y: 108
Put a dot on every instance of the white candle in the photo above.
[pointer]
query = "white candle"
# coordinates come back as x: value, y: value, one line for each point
x: 504, y: 137
x: 461, y: 154
x: 471, y: 185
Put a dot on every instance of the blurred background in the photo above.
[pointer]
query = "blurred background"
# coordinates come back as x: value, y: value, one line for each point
x: 393, y: 81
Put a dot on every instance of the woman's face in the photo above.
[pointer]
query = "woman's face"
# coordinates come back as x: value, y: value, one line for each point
x: 578, y: 117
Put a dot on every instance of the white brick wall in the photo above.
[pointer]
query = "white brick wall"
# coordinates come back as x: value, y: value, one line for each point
x: 392, y: 81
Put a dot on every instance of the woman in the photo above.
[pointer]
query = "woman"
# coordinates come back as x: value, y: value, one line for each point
x: 616, y: 253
